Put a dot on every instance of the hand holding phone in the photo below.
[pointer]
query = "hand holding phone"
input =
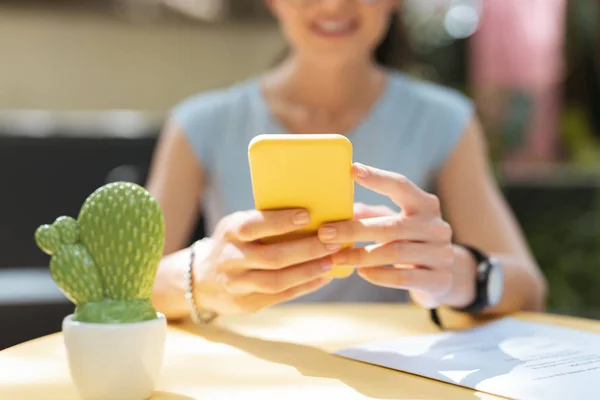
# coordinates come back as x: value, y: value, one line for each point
x: 312, y: 172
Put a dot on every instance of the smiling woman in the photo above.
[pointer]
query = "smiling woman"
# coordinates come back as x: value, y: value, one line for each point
x: 392, y: 50
x: 329, y: 34
x: 412, y: 138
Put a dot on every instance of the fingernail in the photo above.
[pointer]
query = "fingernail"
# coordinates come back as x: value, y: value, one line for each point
x: 301, y: 218
x: 327, y: 233
x: 327, y: 265
x: 325, y: 281
x: 339, y: 258
x: 361, y: 171
x: 333, y: 246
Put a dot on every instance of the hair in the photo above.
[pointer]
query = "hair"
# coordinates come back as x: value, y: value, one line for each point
x: 393, y: 51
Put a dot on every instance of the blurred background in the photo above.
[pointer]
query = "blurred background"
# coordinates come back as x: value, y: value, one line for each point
x: 85, y: 86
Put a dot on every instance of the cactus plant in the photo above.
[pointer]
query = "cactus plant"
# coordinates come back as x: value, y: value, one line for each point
x: 105, y: 261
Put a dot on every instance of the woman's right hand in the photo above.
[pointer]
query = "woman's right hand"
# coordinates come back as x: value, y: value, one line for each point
x: 240, y: 275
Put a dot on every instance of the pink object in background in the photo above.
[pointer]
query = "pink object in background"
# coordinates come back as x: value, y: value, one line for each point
x: 519, y: 45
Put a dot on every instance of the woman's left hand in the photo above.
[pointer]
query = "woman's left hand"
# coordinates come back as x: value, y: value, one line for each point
x: 416, y: 241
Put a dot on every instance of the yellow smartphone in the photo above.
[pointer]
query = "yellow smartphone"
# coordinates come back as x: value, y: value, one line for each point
x: 311, y: 171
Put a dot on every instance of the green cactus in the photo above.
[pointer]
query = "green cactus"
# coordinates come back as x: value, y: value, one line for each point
x: 105, y: 261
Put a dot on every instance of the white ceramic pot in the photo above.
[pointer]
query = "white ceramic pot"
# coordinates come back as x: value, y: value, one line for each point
x: 115, y: 361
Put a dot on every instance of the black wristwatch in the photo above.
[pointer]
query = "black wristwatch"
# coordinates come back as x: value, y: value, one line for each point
x: 489, y: 284
x: 489, y: 281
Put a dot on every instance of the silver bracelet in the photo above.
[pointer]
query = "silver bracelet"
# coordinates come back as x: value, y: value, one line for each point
x: 198, y: 316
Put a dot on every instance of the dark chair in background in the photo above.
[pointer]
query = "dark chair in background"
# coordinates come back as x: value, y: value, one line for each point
x: 42, y: 178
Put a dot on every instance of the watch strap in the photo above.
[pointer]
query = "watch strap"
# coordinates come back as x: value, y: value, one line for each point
x: 482, y: 272
x: 435, y: 318
x: 483, y: 269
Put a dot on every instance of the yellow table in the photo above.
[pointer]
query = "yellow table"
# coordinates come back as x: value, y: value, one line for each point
x: 282, y: 353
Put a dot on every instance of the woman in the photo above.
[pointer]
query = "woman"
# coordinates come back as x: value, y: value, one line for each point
x: 413, y: 136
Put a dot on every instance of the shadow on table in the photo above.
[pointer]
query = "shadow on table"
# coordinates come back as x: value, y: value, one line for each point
x: 380, y: 383
x: 169, y: 396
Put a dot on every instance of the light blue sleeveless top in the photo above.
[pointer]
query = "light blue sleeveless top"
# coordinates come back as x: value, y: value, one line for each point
x: 412, y: 129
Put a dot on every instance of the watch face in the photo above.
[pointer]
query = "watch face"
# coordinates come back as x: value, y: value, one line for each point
x: 495, y: 282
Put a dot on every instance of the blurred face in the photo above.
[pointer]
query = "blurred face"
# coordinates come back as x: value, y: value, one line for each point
x: 339, y: 29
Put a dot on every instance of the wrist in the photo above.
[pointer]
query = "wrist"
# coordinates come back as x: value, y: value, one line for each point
x: 463, y: 290
x: 196, y: 282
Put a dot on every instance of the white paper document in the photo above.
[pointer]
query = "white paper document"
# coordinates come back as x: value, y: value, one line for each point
x: 508, y: 357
